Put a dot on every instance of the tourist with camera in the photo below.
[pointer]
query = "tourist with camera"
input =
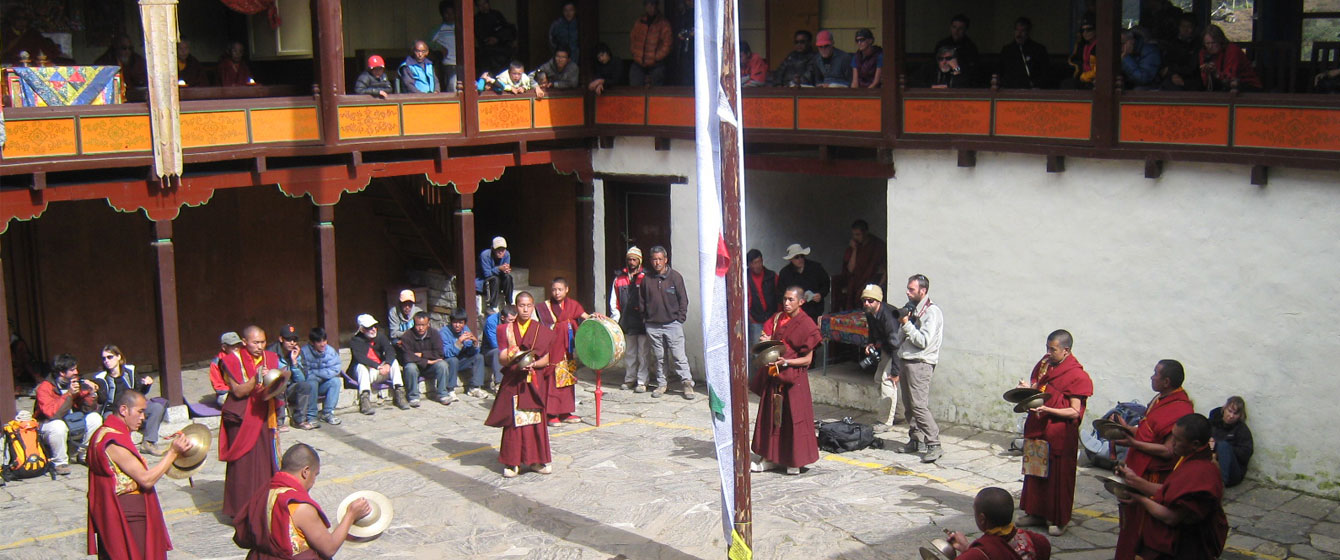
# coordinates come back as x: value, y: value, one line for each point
x: 880, y: 348
x: 918, y: 336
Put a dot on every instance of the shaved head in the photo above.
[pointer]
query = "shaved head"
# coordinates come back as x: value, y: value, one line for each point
x: 128, y: 399
x: 298, y: 457
x: 251, y: 331
x: 996, y: 505
x: 1062, y: 337
x: 1197, y: 428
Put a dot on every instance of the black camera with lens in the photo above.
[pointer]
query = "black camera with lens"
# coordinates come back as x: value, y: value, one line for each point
x: 871, y: 359
x: 907, y: 310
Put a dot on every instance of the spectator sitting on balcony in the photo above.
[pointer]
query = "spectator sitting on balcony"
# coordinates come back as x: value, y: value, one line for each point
x: 496, y: 37
x: 416, y: 72
x: 542, y: 82
x: 650, y: 42
x: 233, y: 69
x: 514, y: 80
x: 867, y: 64
x: 1221, y: 62
x: 122, y: 53
x: 1180, y: 57
x: 373, y: 81
x: 560, y: 70
x: 963, y: 45
x: 947, y: 72
x: 831, y: 67
x: 608, y: 71
x: 19, y: 35
x: 189, y: 70
x: 798, y: 66
x: 563, y: 32
x: 753, y: 68
x: 1083, y: 58
x: 1140, y: 59
x: 1023, y: 61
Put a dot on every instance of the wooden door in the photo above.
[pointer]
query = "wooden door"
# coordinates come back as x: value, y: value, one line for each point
x: 636, y: 214
x: 785, y: 17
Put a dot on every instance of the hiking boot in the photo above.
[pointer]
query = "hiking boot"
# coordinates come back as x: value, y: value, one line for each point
x: 63, y: 470
x: 625, y: 386
x: 477, y: 393
x: 398, y: 397
x: 365, y: 403
x: 688, y: 393
x: 933, y: 454
x: 880, y: 427
x: 447, y: 399
x: 912, y: 447
x: 640, y: 389
x: 331, y: 419
x: 658, y: 392
x: 150, y: 448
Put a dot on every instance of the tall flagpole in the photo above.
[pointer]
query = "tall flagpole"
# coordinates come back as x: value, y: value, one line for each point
x: 735, y: 297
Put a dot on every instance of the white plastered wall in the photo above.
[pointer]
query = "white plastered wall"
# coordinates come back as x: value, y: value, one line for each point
x: 1237, y: 282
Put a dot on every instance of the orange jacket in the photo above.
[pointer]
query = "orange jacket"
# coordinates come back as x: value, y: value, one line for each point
x: 650, y: 42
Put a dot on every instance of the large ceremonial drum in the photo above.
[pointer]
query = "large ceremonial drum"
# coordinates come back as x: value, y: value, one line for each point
x: 600, y: 342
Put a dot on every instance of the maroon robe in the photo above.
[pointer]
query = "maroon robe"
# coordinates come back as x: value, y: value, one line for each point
x: 1019, y: 545
x: 1194, y: 486
x: 126, y: 526
x: 790, y: 442
x: 1157, y: 425
x: 1053, y: 497
x: 522, y: 445
x: 266, y: 528
x: 247, y: 437
x: 563, y: 320
x: 847, y: 285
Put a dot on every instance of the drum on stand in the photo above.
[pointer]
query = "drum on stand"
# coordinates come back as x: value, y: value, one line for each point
x: 599, y: 344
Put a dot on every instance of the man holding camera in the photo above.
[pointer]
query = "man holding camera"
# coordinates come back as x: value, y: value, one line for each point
x: 918, y: 337
x: 881, y: 322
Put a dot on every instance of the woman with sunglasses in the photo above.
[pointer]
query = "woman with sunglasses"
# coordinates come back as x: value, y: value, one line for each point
x: 116, y: 377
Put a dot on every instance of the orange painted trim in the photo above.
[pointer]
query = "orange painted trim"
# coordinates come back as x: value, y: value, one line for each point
x: 670, y: 111
x: 1205, y: 125
x: 369, y: 121
x: 509, y: 114
x: 39, y: 138
x: 284, y: 125
x: 769, y: 112
x: 107, y: 135
x: 221, y: 128
x: 947, y: 116
x: 431, y: 118
x: 1287, y: 128
x: 1044, y: 119
x: 621, y: 109
x: 838, y: 114
x: 551, y: 112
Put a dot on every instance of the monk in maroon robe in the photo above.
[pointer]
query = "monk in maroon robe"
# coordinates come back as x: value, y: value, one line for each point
x: 1151, y: 455
x: 1186, y: 513
x: 862, y: 263
x: 247, y: 437
x: 784, y: 430
x: 562, y: 315
x: 283, y: 522
x: 992, y: 509
x: 125, y: 521
x: 519, y: 406
x: 1051, y: 498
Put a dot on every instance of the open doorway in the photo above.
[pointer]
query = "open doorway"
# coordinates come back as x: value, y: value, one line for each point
x: 636, y: 213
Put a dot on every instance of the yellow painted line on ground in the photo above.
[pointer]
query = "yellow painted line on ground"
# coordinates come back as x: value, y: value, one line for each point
x: 895, y: 469
x: 667, y: 425
x: 1095, y: 514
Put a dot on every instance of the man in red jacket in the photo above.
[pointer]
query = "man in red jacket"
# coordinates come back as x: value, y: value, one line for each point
x: 650, y: 42
x: 65, y: 405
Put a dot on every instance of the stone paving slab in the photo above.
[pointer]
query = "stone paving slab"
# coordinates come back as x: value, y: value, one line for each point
x: 640, y: 486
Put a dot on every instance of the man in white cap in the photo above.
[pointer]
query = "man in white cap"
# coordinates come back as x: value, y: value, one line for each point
x: 882, y: 325
x: 374, y: 361
x: 493, y: 277
x: 809, y: 275
x: 626, y: 309
x: 401, y: 317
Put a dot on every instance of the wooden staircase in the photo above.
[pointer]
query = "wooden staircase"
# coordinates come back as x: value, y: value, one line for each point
x: 417, y: 216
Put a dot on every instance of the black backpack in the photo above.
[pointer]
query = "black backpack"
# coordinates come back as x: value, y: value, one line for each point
x: 845, y: 435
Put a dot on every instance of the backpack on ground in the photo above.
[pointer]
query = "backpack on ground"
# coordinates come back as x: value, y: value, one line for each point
x: 845, y: 435
x: 1098, y: 450
x: 23, y: 446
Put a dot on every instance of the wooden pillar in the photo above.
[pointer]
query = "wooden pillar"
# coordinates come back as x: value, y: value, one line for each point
x: 327, y: 300
x: 1104, y: 86
x: 465, y: 67
x: 891, y: 96
x: 464, y: 220
x: 7, y: 405
x: 588, y: 26
x: 169, y: 336
x: 586, y: 249
x: 329, y: 23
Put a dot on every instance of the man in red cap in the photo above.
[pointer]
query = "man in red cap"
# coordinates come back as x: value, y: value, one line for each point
x: 373, y: 81
x: 832, y: 66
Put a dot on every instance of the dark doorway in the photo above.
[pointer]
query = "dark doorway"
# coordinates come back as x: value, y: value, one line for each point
x: 635, y: 214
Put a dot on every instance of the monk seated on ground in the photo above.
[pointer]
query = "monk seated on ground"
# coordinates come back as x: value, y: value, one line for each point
x: 993, y: 510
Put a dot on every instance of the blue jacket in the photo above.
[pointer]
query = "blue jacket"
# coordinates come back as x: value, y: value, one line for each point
x: 488, y: 267
x: 491, y: 331
x: 564, y: 33
x: 449, y: 348
x: 1141, y: 68
x: 418, y: 78
x: 323, y: 367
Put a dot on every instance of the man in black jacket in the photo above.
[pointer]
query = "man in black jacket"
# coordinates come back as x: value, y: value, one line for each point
x: 665, y: 304
x: 421, y: 354
x: 1023, y: 62
x: 809, y: 275
x: 881, y: 323
x: 374, y: 361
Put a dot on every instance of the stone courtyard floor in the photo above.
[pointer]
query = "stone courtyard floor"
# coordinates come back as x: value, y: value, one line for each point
x: 642, y: 485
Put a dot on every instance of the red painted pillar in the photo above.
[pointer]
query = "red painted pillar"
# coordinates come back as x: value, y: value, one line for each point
x: 8, y: 407
x: 327, y: 301
x: 464, y: 220
x: 169, y: 335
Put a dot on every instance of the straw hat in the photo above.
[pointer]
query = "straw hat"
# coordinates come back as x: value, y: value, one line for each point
x: 376, y: 521
x: 795, y: 250
x: 193, y: 460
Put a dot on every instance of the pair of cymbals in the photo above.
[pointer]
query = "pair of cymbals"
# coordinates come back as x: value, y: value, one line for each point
x: 1117, y: 486
x: 1025, y: 398
x: 523, y: 359
x: 193, y: 459
x: 1110, y: 430
x: 375, y: 522
x: 939, y: 550
x: 272, y: 382
x: 767, y: 352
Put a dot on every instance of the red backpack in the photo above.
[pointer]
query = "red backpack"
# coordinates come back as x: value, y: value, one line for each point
x: 23, y: 445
